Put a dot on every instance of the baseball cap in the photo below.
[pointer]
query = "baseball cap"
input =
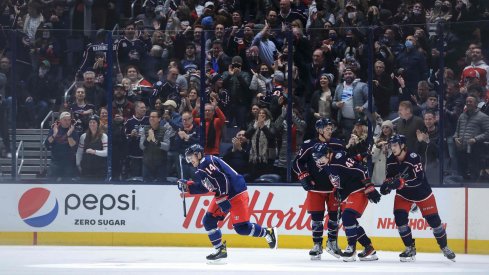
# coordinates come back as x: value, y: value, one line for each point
x: 208, y: 4
x: 64, y: 114
x: 170, y: 102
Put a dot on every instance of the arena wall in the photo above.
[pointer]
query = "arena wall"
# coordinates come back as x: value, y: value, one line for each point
x: 152, y: 215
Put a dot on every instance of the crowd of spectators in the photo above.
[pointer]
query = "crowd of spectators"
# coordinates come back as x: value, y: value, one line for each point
x: 156, y: 68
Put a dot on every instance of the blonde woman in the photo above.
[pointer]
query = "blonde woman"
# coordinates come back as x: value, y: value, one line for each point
x: 380, y: 152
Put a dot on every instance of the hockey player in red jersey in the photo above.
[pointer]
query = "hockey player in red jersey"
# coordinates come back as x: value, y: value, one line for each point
x: 230, y: 196
x: 319, y: 191
x: 353, y: 189
x: 405, y: 175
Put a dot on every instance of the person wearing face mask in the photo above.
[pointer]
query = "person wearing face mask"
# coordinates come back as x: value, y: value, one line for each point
x: 261, y: 82
x: 414, y: 64
x: 42, y: 92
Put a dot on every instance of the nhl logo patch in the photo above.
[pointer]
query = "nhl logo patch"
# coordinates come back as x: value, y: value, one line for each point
x: 338, y: 155
x: 413, y: 155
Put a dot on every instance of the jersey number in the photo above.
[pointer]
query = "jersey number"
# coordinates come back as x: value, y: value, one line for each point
x: 350, y: 163
x: 210, y: 168
x: 418, y: 168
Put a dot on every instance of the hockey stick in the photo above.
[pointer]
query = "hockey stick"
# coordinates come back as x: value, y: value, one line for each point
x: 183, y: 191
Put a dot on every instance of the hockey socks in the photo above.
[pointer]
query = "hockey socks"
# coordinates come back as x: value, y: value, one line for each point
x: 332, y: 225
x: 215, y: 236
x: 350, y: 223
x: 401, y: 218
x: 363, y: 239
x: 317, y: 227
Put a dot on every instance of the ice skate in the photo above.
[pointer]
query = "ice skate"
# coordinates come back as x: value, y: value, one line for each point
x: 333, y: 249
x: 272, y: 237
x: 368, y: 254
x: 409, y: 254
x: 219, y: 256
x: 349, y: 255
x: 447, y: 252
x: 316, y: 252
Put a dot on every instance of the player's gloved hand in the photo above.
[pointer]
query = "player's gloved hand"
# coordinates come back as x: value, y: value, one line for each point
x: 183, y: 184
x: 335, y: 180
x: 385, y: 188
x: 223, y: 204
x: 397, y: 183
x: 306, y: 181
x: 372, y: 193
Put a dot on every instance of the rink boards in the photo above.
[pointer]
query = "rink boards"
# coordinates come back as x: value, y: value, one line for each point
x: 152, y: 215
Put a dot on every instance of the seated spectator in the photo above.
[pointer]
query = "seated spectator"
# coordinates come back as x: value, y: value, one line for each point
x: 214, y: 121
x: 427, y: 147
x: 81, y: 111
x: 167, y: 89
x: 261, y: 136
x: 155, y: 143
x: 380, y: 152
x: 121, y: 104
x: 408, y: 123
x: 238, y: 155
x: 91, y: 156
x: 61, y: 141
x: 471, y: 132
x: 190, y: 61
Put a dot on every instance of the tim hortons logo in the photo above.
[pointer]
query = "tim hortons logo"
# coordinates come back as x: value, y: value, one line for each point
x: 295, y: 217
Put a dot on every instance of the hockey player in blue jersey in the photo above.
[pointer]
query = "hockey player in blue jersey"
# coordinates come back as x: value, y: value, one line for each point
x: 230, y: 196
x: 353, y: 189
x: 405, y: 175
x: 319, y: 190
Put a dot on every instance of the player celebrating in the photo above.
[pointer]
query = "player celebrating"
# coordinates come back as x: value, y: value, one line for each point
x: 231, y: 196
x: 319, y: 191
x: 405, y: 174
x: 353, y: 189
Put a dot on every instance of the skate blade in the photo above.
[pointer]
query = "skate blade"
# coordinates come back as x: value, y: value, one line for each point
x: 337, y: 256
x: 407, y: 259
x: 369, y: 258
x: 453, y: 260
x: 275, y: 233
x: 349, y: 259
x: 221, y: 261
x: 315, y: 257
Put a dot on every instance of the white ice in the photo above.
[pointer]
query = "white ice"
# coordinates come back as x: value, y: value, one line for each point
x: 187, y: 260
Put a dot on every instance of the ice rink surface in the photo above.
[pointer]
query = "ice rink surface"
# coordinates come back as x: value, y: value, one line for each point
x: 185, y: 260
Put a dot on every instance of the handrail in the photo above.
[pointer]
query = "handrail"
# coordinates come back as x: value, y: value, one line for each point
x: 133, y: 4
x: 116, y: 27
x: 42, y: 148
x: 68, y: 90
x: 20, y: 148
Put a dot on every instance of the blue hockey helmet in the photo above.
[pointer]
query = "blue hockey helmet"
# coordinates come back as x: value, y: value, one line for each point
x: 400, y: 139
x: 323, y: 122
x: 319, y: 150
x: 192, y: 150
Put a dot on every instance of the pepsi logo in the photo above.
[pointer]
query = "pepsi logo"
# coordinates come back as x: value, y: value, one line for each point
x: 38, y: 207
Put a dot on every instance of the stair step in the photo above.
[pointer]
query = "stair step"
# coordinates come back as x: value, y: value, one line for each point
x: 25, y: 169
x: 30, y: 144
x: 29, y: 161
x: 24, y: 137
x: 30, y: 131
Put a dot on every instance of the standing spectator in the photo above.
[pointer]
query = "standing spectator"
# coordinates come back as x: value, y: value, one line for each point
x: 190, y: 101
x: 155, y: 143
x: 190, y: 61
x: 261, y: 134
x: 267, y: 48
x: 61, y: 141
x: 408, y: 123
x: 427, y: 147
x: 94, y: 93
x: 238, y: 155
x: 357, y: 145
x: 140, y: 88
x: 237, y: 83
x: 119, y: 145
x: 132, y: 126
x: 414, y: 64
x: 184, y: 138
x: 42, y: 92
x: 130, y: 49
x: 261, y: 82
x: 381, y: 151
x: 216, y: 90
x: 287, y: 15
x: 120, y: 104
x: 167, y: 89
x: 322, y: 99
x: 81, y: 111
x: 350, y: 99
x: 454, y: 106
x: 91, y: 156
x: 478, y: 64
x: 217, y: 60
x: 33, y: 19
x: 422, y: 96
x: 214, y: 122
x: 104, y: 119
x: 471, y: 132
x: 383, y: 88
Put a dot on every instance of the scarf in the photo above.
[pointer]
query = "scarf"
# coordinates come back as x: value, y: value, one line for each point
x: 259, y: 145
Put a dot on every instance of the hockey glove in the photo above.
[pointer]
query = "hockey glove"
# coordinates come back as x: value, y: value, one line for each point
x: 223, y: 204
x: 397, y: 183
x: 335, y: 181
x: 183, y: 184
x: 306, y: 181
x: 385, y: 188
x: 372, y: 193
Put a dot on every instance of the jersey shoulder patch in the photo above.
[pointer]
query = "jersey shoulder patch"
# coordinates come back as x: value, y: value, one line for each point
x: 307, y: 141
x: 413, y: 155
x: 338, y: 155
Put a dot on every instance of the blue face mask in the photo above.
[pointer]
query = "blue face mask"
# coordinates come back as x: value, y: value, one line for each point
x: 409, y: 44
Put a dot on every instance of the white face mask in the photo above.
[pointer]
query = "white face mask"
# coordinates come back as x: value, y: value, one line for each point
x: 43, y: 71
x: 351, y: 15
